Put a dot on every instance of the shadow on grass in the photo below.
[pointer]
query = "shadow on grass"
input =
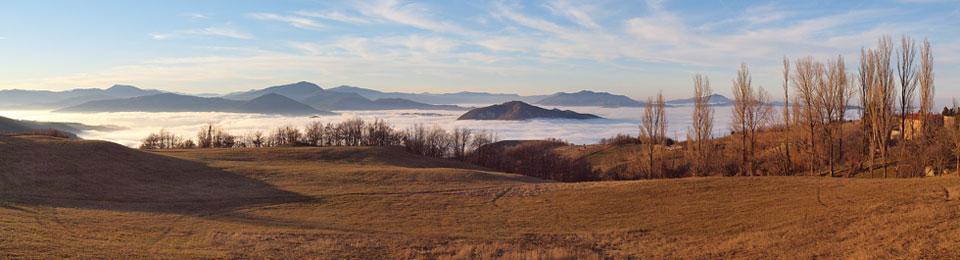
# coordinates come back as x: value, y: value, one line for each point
x: 60, y: 173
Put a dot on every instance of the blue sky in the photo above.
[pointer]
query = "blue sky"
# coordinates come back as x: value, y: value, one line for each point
x: 529, y: 47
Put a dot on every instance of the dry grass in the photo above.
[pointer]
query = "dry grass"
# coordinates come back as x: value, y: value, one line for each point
x: 383, y: 203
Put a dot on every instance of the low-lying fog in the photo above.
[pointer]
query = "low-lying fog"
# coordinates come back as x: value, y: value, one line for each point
x: 138, y: 124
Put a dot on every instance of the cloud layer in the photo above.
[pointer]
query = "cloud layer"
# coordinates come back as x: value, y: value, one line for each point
x: 137, y: 125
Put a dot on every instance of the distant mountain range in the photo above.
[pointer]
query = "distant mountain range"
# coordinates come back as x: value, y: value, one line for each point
x: 584, y: 98
x: 42, y: 99
x: 169, y: 102
x: 317, y: 97
x: 299, y: 98
x: 441, y: 98
x: 715, y: 99
x: 589, y: 98
x: 517, y: 110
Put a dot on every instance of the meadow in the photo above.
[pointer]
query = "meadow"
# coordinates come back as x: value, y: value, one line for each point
x: 103, y: 200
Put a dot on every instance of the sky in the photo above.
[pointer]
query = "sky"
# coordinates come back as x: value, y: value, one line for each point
x: 635, y: 48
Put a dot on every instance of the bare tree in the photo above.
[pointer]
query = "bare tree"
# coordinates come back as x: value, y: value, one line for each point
x: 925, y: 82
x: 313, y: 135
x: 286, y: 136
x: 954, y: 131
x: 881, y: 98
x: 866, y: 79
x: 461, y: 138
x: 653, y: 129
x: 806, y: 80
x: 701, y: 132
x: 787, y: 123
x: 751, y: 112
x: 165, y: 140
x: 833, y: 95
x: 255, y: 139
x: 907, y: 73
x: 661, y: 121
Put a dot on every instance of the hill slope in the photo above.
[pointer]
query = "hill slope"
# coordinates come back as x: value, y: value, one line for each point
x: 516, y: 110
x: 363, y: 202
x: 81, y: 172
x: 8, y: 125
x: 589, y: 98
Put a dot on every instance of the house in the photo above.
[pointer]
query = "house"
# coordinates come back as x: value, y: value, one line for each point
x: 914, y: 123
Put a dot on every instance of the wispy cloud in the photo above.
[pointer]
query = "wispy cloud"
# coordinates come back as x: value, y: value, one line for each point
x: 334, y: 16
x: 292, y: 20
x: 577, y: 13
x: 410, y: 14
x: 198, y: 16
x: 208, y: 31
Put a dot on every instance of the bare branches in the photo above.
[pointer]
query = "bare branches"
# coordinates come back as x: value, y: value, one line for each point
x: 806, y: 79
x: 907, y: 72
x: 878, y: 76
x: 751, y: 111
x: 653, y: 129
x: 925, y: 82
x: 701, y: 132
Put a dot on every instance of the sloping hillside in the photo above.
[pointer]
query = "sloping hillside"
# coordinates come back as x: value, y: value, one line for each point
x: 362, y: 202
x: 61, y: 172
x: 9, y: 125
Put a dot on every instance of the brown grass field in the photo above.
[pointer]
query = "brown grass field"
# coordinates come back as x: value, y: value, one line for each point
x: 65, y: 198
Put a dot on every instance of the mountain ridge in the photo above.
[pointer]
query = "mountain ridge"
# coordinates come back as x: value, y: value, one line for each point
x: 22, y: 98
x: 519, y: 110
x: 170, y: 102
x: 589, y: 98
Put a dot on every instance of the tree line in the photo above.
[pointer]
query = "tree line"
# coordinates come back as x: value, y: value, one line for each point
x: 897, y: 133
x: 419, y: 139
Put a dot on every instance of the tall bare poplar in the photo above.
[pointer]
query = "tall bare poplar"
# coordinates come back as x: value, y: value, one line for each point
x: 882, y: 98
x: 751, y: 111
x: 701, y: 132
x: 833, y: 95
x: 866, y: 79
x: 653, y: 130
x: 787, y: 123
x: 806, y: 80
x: 925, y: 82
x: 661, y: 119
x: 907, y: 73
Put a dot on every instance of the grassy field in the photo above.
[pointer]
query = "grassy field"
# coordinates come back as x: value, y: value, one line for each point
x: 65, y: 198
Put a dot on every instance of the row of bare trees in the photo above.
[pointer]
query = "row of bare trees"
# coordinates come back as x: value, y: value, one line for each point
x: 815, y: 134
x: 440, y: 143
x: 434, y: 142
x: 166, y: 140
